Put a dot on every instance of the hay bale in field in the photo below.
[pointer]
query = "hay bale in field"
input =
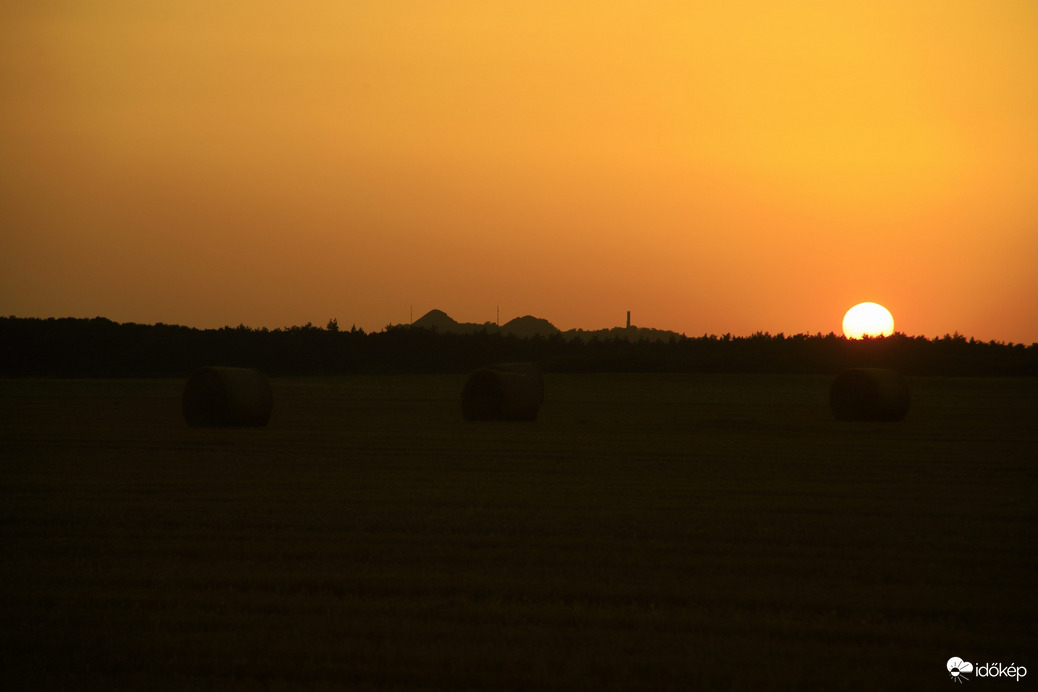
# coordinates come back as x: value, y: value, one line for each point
x: 509, y: 391
x: 873, y: 394
x: 531, y: 370
x: 227, y: 397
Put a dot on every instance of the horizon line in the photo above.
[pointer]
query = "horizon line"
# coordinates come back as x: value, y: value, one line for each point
x: 759, y: 333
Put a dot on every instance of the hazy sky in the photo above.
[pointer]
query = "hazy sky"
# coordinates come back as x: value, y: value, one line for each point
x: 711, y: 166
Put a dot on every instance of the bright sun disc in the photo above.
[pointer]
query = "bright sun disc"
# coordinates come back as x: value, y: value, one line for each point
x: 868, y: 319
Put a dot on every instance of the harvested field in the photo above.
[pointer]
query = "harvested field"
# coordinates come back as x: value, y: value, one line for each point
x: 646, y: 532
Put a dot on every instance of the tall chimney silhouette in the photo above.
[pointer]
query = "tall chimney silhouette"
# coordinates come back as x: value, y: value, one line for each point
x: 628, y: 319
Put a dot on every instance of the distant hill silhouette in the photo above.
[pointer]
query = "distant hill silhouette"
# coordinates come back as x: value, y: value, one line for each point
x: 439, y: 321
x: 529, y: 326
x: 523, y: 327
x: 436, y: 320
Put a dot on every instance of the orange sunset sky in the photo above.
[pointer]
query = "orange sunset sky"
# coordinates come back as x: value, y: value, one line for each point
x: 710, y: 166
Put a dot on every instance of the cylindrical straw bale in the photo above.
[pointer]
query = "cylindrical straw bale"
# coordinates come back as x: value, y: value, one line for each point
x: 227, y: 397
x: 531, y: 370
x: 509, y: 391
x: 870, y: 394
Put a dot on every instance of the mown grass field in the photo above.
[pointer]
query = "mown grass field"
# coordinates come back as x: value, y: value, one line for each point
x: 648, y: 532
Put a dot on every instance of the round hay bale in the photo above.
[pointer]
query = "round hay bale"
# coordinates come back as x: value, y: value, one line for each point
x: 872, y: 394
x: 531, y: 370
x: 227, y: 397
x: 509, y: 391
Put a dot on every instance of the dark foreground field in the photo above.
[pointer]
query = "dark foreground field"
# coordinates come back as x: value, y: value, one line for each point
x: 647, y: 532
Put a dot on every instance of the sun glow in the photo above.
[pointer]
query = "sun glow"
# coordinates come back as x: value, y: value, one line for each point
x: 868, y: 319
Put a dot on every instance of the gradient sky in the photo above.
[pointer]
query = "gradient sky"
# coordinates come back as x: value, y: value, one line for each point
x: 710, y: 166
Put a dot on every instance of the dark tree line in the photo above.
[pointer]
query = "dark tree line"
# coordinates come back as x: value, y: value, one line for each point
x: 98, y: 347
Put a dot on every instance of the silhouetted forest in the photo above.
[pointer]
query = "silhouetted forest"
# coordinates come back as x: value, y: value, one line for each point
x: 99, y: 347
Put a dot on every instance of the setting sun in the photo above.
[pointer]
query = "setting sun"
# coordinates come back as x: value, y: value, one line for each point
x: 868, y: 319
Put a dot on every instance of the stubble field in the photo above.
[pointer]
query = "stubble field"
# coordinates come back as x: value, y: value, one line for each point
x: 647, y: 532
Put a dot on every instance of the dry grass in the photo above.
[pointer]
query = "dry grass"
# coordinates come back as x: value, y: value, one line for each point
x: 647, y: 532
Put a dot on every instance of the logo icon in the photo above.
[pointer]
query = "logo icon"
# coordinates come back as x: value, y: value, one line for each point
x: 958, y: 669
